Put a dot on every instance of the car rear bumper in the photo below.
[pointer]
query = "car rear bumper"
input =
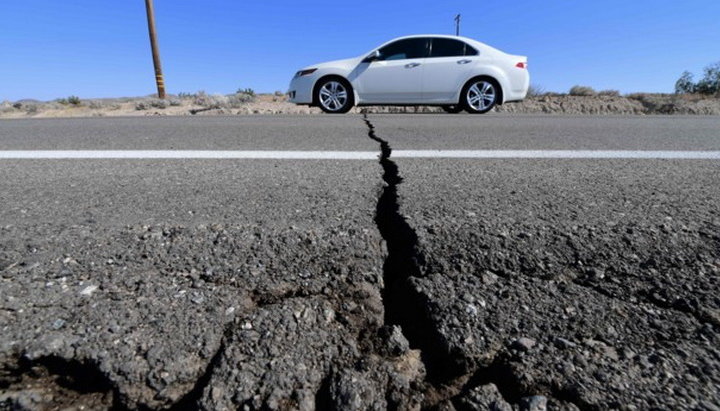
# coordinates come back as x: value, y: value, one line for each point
x: 520, y: 83
x: 300, y: 90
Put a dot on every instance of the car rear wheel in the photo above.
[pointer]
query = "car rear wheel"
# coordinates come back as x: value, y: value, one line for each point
x: 480, y: 96
x: 334, y: 96
x: 453, y: 109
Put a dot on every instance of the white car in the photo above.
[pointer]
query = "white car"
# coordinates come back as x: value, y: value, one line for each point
x: 453, y: 72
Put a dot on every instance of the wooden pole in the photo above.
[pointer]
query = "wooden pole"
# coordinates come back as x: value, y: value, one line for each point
x: 155, y: 49
x: 457, y: 25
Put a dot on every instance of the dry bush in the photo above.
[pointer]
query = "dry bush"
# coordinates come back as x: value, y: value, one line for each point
x: 219, y: 101
x: 657, y: 103
x: 279, y: 93
x: 6, y: 107
x: 535, y: 90
x: 240, y: 99
x: 151, y: 103
x: 31, y: 109
x: 246, y: 91
x: 609, y: 93
x: 582, y: 91
x: 96, y: 104
x: 158, y: 103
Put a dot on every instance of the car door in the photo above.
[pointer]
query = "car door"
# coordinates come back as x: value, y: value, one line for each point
x: 447, y: 67
x: 395, y: 75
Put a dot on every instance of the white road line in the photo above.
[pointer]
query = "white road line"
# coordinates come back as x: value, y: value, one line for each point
x: 355, y: 155
x: 189, y: 154
x: 588, y: 154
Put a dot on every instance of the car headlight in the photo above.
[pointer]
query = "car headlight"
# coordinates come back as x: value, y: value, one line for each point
x: 305, y: 72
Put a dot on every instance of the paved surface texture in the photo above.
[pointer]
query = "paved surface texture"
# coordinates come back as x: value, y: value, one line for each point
x: 413, y: 283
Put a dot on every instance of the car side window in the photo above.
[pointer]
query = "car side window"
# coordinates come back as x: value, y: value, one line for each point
x: 470, y: 50
x: 443, y: 47
x: 405, y: 49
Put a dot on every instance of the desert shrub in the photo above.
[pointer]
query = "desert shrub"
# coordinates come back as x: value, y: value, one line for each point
x: 142, y: 105
x: 6, y: 107
x: 685, y: 84
x: 656, y: 103
x: 96, y: 104
x: 609, y: 93
x: 158, y: 103
x: 31, y: 108
x: 279, y: 93
x: 535, y: 90
x: 201, y: 98
x: 174, y: 102
x: 17, y: 106
x: 582, y: 91
x: 240, y: 99
x: 214, y: 101
x: 708, y: 85
x: 248, y: 91
x: 183, y: 96
x: 74, y: 101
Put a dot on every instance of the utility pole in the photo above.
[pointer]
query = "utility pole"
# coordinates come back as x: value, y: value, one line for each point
x: 155, y: 50
x: 457, y: 25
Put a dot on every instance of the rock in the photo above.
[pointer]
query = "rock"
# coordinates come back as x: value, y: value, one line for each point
x: 534, y: 403
x: 58, y: 324
x: 87, y: 291
x: 523, y: 344
x: 563, y: 343
x: 396, y: 341
x: 484, y: 397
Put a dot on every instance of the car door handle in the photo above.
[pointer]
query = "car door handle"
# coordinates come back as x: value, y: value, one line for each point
x: 412, y: 65
x: 464, y: 61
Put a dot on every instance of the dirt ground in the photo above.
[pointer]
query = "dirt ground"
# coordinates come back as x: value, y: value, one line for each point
x: 268, y: 104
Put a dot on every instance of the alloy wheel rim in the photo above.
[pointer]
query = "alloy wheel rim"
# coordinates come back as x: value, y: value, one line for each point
x: 333, y: 96
x: 481, y: 95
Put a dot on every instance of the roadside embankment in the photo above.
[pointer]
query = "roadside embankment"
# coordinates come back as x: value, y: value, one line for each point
x: 268, y: 104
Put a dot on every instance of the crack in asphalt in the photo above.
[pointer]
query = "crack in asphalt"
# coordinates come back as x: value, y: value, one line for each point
x: 408, y: 308
x: 67, y: 380
x: 404, y: 305
x: 191, y: 400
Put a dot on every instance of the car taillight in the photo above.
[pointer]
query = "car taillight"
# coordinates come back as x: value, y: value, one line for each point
x: 521, y: 65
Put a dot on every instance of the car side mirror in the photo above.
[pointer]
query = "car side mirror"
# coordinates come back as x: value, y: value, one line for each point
x: 374, y: 56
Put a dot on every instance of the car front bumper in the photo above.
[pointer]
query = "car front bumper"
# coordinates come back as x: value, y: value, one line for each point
x: 300, y: 90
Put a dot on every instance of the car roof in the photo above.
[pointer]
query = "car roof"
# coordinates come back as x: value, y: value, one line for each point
x: 468, y: 40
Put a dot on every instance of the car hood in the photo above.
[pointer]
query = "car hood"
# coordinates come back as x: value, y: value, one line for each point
x: 345, y: 63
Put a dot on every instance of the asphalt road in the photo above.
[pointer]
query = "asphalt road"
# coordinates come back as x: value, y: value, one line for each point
x: 440, y: 283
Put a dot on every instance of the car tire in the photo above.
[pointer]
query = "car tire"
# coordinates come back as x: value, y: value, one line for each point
x: 480, y: 95
x: 334, y: 95
x: 453, y: 109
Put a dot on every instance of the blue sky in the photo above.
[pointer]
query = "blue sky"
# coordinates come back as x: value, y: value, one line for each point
x: 96, y: 48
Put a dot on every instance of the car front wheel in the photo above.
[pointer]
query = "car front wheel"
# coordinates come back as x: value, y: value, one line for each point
x: 480, y: 96
x: 334, y: 96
